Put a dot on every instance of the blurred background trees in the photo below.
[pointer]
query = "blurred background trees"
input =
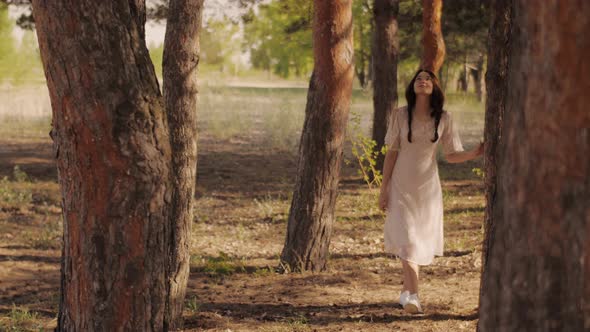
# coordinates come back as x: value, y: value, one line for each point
x: 272, y: 39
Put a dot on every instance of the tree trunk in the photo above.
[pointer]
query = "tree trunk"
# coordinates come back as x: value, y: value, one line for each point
x: 127, y: 193
x: 433, y: 45
x: 497, y: 91
x: 360, y: 67
x: 538, y: 261
x: 180, y: 60
x: 113, y: 158
x: 385, y: 56
x: 477, y: 76
x: 320, y: 152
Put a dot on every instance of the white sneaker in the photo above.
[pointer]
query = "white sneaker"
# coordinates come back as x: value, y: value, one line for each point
x: 412, y: 305
x: 403, y: 298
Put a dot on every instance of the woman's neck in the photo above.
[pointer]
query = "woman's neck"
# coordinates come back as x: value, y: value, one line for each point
x: 422, y: 108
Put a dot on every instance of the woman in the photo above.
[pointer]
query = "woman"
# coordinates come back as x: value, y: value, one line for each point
x: 411, y: 193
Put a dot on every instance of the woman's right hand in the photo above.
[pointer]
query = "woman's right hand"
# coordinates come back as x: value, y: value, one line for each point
x: 383, y: 198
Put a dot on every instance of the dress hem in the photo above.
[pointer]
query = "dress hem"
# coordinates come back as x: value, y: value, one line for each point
x: 412, y: 261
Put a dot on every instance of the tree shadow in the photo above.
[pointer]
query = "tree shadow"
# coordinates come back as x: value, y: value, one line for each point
x: 35, y: 159
x: 385, y: 312
x: 30, y: 258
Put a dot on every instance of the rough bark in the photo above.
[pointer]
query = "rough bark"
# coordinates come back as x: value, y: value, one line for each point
x: 538, y: 264
x: 433, y: 45
x: 385, y: 57
x: 497, y: 91
x: 181, y: 57
x: 320, y: 152
x: 113, y: 157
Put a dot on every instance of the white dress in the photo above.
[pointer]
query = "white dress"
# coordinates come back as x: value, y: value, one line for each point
x: 414, y: 217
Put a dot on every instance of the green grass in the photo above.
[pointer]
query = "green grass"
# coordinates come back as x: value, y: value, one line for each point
x: 20, y: 319
x: 218, y: 267
x: 276, y: 115
x: 192, y: 304
x: 17, y: 190
x: 49, y: 237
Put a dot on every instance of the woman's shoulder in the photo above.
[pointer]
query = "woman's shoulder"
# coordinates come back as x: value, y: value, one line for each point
x: 446, y: 115
x: 401, y: 111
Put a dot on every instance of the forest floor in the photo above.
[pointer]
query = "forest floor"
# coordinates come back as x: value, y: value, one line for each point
x: 242, y: 200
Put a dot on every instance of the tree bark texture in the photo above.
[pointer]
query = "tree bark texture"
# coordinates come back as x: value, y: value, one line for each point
x: 181, y: 57
x: 497, y: 91
x: 320, y: 151
x: 114, y: 163
x: 433, y: 45
x: 538, y: 264
x: 385, y: 56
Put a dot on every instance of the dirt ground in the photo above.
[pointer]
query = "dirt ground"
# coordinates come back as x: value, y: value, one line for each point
x: 242, y: 200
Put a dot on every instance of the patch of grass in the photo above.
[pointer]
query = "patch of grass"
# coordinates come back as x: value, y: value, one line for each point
x: 462, y: 243
x: 271, y: 208
x: 16, y: 192
x: 298, y: 323
x: 25, y: 112
x: 20, y: 319
x: 193, y: 305
x: 225, y: 115
x: 218, y: 267
x: 50, y: 237
x: 448, y: 196
x: 19, y: 175
x: 362, y: 206
x: 263, y: 272
x: 283, y: 126
x: 13, y: 194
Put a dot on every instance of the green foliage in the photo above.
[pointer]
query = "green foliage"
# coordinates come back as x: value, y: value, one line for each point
x: 479, y: 172
x: 363, y: 149
x: 279, y: 37
x: 220, y: 44
x: 19, y: 64
x: 157, y: 55
x: 465, y: 28
x: 362, y: 12
x: 410, y: 30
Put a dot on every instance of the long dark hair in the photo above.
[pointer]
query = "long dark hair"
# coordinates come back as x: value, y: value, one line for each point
x: 437, y: 99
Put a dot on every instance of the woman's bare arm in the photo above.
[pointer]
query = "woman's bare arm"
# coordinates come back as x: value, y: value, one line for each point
x: 463, y: 156
x: 388, y: 165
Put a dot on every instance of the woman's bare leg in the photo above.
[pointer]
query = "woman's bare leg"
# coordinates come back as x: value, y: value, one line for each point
x: 411, y: 272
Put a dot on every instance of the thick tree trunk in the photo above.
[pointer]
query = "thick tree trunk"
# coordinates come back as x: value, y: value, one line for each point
x: 320, y: 152
x: 181, y: 57
x: 433, y: 45
x: 113, y: 158
x: 385, y: 56
x: 497, y: 91
x: 538, y: 261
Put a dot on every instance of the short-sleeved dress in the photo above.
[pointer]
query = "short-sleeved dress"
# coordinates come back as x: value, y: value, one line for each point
x: 414, y: 217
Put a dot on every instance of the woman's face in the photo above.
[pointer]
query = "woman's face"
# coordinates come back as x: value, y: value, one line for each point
x: 423, y: 84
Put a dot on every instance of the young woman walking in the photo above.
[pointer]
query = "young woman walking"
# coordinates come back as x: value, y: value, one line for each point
x: 411, y: 193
